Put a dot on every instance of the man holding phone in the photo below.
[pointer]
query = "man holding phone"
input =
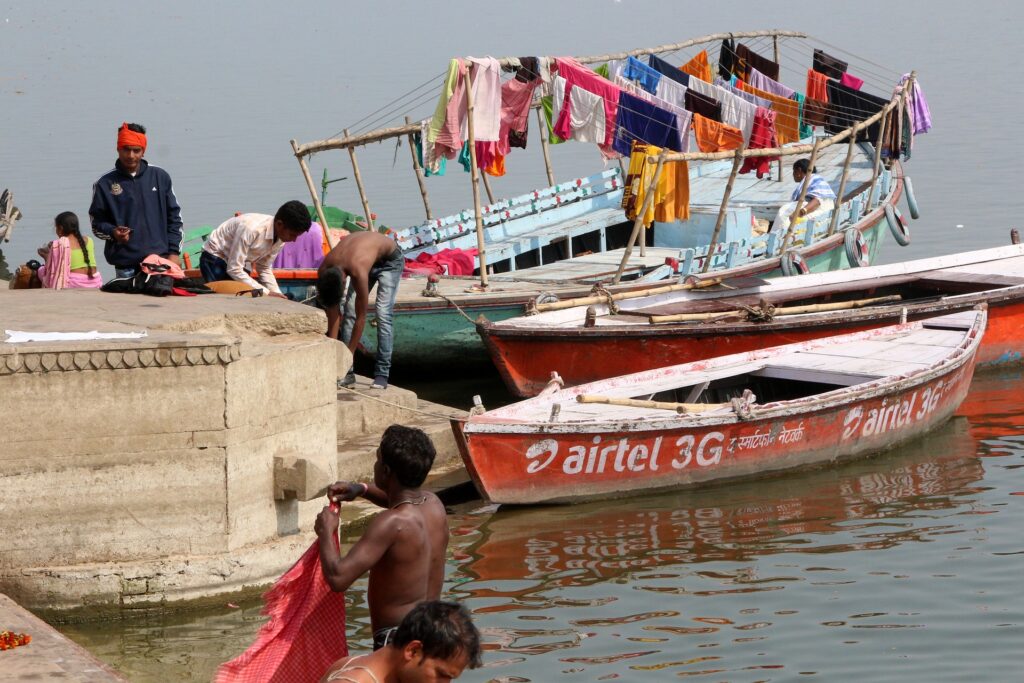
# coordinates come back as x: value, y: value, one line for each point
x: 133, y: 208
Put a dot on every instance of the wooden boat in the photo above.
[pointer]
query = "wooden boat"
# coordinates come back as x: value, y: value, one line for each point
x: 742, y: 415
x: 586, y: 343
x: 534, y: 245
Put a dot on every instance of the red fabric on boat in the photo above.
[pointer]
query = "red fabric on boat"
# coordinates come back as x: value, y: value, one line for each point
x: 458, y: 262
x: 304, y: 635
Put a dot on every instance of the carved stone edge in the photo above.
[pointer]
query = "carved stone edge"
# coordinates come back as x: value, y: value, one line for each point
x: 163, y: 356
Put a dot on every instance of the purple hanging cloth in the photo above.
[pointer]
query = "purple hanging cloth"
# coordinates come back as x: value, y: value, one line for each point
x: 305, y: 252
x: 920, y: 114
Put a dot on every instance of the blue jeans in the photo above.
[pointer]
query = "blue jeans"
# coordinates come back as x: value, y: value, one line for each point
x: 213, y: 268
x: 127, y: 271
x: 386, y: 274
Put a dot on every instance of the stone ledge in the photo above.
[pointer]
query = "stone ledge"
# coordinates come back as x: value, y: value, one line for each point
x: 51, y: 358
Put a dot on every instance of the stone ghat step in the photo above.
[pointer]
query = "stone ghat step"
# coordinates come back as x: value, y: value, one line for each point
x: 364, y: 411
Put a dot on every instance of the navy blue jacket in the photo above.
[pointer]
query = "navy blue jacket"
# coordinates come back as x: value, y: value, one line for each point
x: 146, y: 204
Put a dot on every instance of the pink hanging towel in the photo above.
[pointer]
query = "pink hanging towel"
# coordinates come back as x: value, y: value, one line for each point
x: 851, y: 81
x: 304, y: 635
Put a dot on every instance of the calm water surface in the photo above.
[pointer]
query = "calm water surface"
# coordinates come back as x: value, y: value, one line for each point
x: 904, y: 567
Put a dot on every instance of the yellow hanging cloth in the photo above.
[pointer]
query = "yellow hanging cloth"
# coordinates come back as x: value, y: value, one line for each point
x: 671, y: 194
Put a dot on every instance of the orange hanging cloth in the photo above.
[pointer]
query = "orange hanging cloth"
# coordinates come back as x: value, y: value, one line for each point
x: 817, y: 85
x: 787, y: 123
x: 698, y: 67
x: 713, y: 136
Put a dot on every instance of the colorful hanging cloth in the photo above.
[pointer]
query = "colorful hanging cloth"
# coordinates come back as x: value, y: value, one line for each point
x: 712, y: 136
x: 698, y: 67
x: 817, y: 85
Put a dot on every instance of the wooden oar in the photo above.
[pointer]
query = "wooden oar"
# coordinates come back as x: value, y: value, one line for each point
x: 657, y: 405
x: 600, y: 299
x: 791, y: 310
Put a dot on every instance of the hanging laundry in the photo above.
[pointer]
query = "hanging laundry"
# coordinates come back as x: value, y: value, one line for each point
x: 547, y: 105
x: 815, y: 113
x: 848, y: 106
x: 666, y: 69
x: 762, y: 137
x: 727, y: 58
x: 851, y: 81
x: 787, y: 123
x: 516, y: 98
x: 642, y: 122
x: 708, y: 107
x: 485, y: 74
x: 736, y: 111
x: 805, y: 129
x: 671, y: 91
x: 431, y: 164
x: 748, y: 59
x: 447, y: 91
x: 817, y: 85
x: 753, y: 99
x: 587, y: 116
x: 698, y: 67
x: 490, y: 159
x: 671, y: 199
x: 713, y: 136
x: 828, y: 65
x: 529, y: 70
x: 762, y: 82
x: 578, y: 76
x: 450, y: 137
x: 644, y: 75
x: 465, y: 159
x: 919, y: 113
x: 682, y: 116
x: 892, y: 136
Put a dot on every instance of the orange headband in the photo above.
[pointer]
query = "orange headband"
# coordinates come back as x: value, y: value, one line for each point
x: 129, y: 138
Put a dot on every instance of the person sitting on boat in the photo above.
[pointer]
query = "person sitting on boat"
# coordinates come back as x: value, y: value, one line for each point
x: 819, y: 200
x: 70, y: 259
x: 436, y: 641
x: 252, y: 238
x: 404, y: 546
x: 368, y: 258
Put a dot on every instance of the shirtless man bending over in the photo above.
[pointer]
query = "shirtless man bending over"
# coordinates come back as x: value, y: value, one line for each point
x: 404, y: 547
x: 368, y: 258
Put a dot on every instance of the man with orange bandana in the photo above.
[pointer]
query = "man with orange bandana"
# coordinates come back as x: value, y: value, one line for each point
x: 133, y: 208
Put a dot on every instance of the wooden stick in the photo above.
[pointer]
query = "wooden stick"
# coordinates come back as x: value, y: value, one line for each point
x: 474, y: 174
x: 656, y: 405
x: 788, y: 237
x: 541, y: 127
x: 331, y: 242
x: 359, y: 185
x: 487, y: 188
x: 648, y: 200
x: 877, y: 163
x: 420, y: 174
x: 775, y: 44
x: 724, y: 207
x: 675, y: 47
x: 792, y: 310
x: 621, y: 296
x: 842, y: 183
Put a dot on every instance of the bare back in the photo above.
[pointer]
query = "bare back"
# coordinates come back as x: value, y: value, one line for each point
x: 356, y: 253
x: 412, y: 568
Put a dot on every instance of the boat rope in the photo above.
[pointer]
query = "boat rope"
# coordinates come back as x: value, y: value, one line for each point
x: 762, y: 312
x: 457, y: 413
x: 599, y: 290
x: 452, y: 303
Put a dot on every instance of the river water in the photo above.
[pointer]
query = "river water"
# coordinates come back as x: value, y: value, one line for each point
x: 900, y: 567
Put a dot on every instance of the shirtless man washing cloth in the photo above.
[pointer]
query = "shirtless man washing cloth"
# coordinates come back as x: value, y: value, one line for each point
x: 404, y: 547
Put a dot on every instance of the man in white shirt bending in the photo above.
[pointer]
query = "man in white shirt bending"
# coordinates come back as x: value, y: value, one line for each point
x: 255, y: 239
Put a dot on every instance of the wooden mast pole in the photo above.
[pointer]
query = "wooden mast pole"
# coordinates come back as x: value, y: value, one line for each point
x: 419, y: 172
x: 638, y: 223
x: 800, y: 199
x: 544, y: 148
x: 842, y: 183
x: 474, y: 174
x: 331, y: 242
x: 775, y: 44
x: 487, y: 188
x: 877, y: 161
x: 359, y: 185
x: 723, y: 209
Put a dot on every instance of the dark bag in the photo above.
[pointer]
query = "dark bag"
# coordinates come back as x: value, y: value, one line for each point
x: 140, y: 283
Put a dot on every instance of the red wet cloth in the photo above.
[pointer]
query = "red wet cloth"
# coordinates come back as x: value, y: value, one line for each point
x: 304, y: 635
x: 457, y: 262
x: 762, y: 136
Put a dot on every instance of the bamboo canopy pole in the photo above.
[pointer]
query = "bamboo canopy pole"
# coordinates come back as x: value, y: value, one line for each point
x: 788, y: 237
x: 842, y: 182
x: 621, y: 296
x: 420, y: 174
x: 877, y: 161
x: 331, y: 242
x: 656, y: 405
x: 487, y: 188
x: 544, y: 147
x: 791, y: 310
x: 638, y: 223
x: 359, y: 185
x: 474, y: 174
x: 724, y: 207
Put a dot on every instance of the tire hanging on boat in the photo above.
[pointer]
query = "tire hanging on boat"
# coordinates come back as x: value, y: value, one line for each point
x: 856, y: 248
x: 793, y: 263
x: 897, y: 226
x: 908, y: 189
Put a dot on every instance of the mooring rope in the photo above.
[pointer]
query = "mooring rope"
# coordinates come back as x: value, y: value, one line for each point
x: 399, y: 405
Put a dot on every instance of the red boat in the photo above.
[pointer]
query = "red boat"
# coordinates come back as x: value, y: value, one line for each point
x: 583, y: 343
x: 741, y: 415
